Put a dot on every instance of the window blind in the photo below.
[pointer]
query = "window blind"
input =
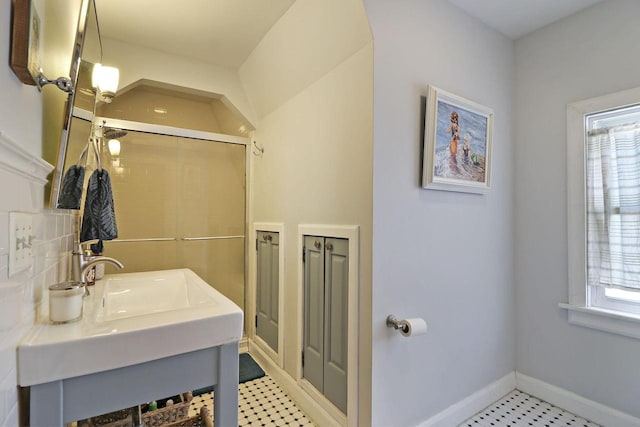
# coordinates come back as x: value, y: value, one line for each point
x: 613, y: 206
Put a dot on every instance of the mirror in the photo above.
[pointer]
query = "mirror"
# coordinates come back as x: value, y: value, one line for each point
x: 57, y: 105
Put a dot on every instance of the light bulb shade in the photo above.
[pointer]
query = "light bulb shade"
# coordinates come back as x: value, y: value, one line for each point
x: 95, y: 75
x: 105, y: 79
x: 114, y: 147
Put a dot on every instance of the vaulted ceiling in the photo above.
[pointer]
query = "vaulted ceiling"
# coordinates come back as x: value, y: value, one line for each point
x: 225, y: 32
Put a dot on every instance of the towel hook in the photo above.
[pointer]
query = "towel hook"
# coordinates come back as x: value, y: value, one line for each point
x: 96, y: 151
x: 256, y: 149
x: 92, y: 145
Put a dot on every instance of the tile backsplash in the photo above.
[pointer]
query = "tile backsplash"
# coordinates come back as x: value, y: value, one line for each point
x: 22, y: 294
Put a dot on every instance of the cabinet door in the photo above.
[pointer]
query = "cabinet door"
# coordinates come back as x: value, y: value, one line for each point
x: 268, y: 247
x: 326, y: 280
x: 335, y: 321
x: 313, y: 368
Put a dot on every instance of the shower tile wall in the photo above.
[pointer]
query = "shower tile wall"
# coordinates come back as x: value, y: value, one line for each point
x: 148, y: 104
x: 188, y: 192
x: 175, y: 190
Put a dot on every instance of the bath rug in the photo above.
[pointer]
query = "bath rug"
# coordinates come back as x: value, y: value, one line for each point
x: 249, y: 371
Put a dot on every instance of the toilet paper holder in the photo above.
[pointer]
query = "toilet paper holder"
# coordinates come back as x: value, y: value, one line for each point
x: 401, y: 325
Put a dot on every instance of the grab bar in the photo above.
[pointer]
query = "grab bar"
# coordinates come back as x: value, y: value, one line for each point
x: 189, y: 239
x: 153, y: 239
x: 173, y: 239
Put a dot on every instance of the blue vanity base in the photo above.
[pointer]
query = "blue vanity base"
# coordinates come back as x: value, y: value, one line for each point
x: 59, y: 402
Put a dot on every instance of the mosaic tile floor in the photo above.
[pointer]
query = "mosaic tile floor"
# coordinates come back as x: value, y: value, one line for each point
x: 261, y: 402
x: 522, y: 410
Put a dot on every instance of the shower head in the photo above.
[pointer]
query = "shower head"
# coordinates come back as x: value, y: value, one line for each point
x: 113, y: 133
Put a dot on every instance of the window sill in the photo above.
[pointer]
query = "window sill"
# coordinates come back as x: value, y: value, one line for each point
x: 616, y: 322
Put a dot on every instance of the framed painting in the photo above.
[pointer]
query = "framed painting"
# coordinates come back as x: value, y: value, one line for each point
x: 457, y: 144
x: 25, y: 41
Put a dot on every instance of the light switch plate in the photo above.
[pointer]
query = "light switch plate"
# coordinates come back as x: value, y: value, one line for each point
x: 21, y: 236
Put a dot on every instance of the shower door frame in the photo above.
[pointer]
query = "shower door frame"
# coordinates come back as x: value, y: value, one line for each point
x: 170, y: 130
x: 192, y: 134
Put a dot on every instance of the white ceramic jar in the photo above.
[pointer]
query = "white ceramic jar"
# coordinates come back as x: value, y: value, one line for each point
x: 65, y: 302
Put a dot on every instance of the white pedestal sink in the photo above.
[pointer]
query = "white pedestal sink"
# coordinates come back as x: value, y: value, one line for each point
x: 143, y: 336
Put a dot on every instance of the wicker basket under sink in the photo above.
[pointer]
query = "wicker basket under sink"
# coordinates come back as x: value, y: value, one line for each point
x: 161, y: 417
x: 201, y: 420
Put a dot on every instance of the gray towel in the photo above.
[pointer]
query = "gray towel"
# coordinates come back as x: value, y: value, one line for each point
x: 71, y: 192
x: 99, y: 219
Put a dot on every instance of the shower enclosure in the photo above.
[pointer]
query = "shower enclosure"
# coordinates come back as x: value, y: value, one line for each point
x: 180, y: 199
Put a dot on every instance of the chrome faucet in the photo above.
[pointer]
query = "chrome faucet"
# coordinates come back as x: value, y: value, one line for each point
x: 80, y: 265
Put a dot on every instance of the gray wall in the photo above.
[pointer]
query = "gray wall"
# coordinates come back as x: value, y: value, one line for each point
x: 443, y: 256
x: 593, y: 53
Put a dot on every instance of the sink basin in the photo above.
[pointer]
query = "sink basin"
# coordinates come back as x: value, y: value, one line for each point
x: 128, y: 319
x: 139, y: 294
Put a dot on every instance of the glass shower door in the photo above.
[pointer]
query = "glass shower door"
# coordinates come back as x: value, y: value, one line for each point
x: 212, y: 213
x: 144, y: 177
x: 180, y: 203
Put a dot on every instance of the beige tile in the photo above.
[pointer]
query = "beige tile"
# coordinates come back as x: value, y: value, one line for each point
x: 167, y: 187
x: 142, y: 256
x: 145, y: 186
x: 212, y: 190
x: 220, y: 263
x: 166, y: 107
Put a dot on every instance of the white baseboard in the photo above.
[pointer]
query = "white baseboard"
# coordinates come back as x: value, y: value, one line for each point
x: 304, y: 401
x: 469, y: 406
x: 466, y: 408
x: 581, y: 406
x: 243, y: 345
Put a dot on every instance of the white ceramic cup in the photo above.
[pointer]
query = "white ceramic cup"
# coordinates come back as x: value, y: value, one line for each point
x: 65, y: 302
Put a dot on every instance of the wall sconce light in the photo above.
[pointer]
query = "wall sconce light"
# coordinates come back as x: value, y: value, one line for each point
x: 105, y: 81
x: 114, y: 147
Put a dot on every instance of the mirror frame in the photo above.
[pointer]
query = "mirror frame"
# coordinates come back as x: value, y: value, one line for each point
x: 68, y: 108
x: 25, y: 41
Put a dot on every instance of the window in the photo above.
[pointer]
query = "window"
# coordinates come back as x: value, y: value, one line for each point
x: 612, y: 178
x: 603, y: 172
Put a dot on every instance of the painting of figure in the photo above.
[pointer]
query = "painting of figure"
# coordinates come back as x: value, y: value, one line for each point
x: 457, y: 143
x: 467, y: 163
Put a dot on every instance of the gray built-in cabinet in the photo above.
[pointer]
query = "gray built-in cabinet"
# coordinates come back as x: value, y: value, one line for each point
x: 268, y: 248
x: 324, y: 357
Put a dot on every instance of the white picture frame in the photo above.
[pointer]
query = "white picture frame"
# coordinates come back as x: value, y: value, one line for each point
x: 457, y: 144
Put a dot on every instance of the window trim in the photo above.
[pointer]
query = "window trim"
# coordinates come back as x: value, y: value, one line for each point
x: 579, y: 310
x: 599, y: 299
